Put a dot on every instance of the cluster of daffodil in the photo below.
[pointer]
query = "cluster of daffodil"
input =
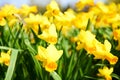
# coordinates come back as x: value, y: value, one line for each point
x: 53, y: 27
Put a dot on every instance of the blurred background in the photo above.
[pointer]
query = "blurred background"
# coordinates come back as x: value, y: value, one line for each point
x: 41, y: 3
x: 63, y: 4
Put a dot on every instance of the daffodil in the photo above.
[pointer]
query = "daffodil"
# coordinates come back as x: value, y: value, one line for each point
x: 33, y: 19
x: 81, y: 20
x: 9, y: 10
x: 116, y: 34
x: 49, y: 35
x: 64, y: 21
x: 48, y: 56
x: 5, y: 57
x: 93, y: 46
x: 52, y: 9
x: 25, y: 10
x: 2, y: 21
x: 36, y: 21
x: 86, y: 38
x: 105, y: 72
x: 102, y: 51
x: 32, y: 22
x: 82, y: 3
x: 104, y: 8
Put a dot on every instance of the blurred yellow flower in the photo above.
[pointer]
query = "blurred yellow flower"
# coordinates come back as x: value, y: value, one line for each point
x: 2, y: 21
x: 81, y: 20
x: 64, y: 21
x: 49, y: 35
x: 104, y: 8
x: 82, y: 3
x: 36, y: 21
x: 9, y: 10
x: 5, y: 57
x: 25, y: 10
x: 49, y: 56
x: 87, y: 39
x: 52, y: 9
x: 105, y: 72
x: 116, y: 34
x: 33, y: 19
x: 93, y: 46
x: 102, y: 51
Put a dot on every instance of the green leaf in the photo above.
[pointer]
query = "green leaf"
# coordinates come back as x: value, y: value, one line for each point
x: 55, y: 76
x: 88, y: 25
x: 11, y: 67
x: 115, y: 76
x: 71, y: 66
x: 8, y: 48
x: 33, y: 53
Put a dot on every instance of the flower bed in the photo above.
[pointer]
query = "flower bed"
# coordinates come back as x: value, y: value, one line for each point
x: 79, y: 44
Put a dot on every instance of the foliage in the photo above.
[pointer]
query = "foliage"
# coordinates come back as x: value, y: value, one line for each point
x: 69, y: 45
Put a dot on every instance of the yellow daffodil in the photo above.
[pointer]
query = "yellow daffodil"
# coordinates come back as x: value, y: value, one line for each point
x: 105, y: 72
x: 49, y: 35
x: 93, y: 46
x: 102, y: 51
x: 64, y: 21
x: 5, y: 57
x: 81, y: 20
x: 87, y: 39
x: 36, y: 21
x: 25, y: 10
x: 33, y: 19
x: 113, y: 8
x: 116, y: 34
x: 49, y: 56
x: 104, y: 8
x: 9, y: 10
x: 82, y: 3
x: 52, y: 9
x: 2, y: 22
x: 33, y: 22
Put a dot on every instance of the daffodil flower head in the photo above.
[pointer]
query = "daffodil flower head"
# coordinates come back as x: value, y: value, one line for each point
x: 104, y: 8
x: 103, y: 52
x: 82, y: 3
x: 87, y: 38
x: 116, y: 34
x: 33, y: 22
x: 52, y: 8
x: 49, y: 35
x: 105, y: 72
x: 9, y: 10
x: 2, y: 21
x: 93, y: 46
x: 25, y: 10
x: 5, y: 57
x: 49, y: 56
